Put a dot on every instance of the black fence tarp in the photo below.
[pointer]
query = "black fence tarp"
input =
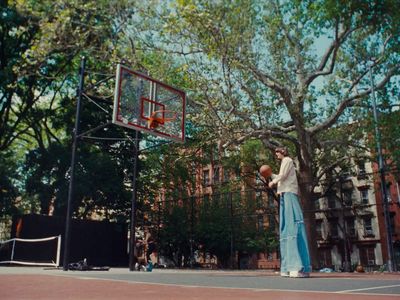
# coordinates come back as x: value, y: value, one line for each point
x: 100, y: 242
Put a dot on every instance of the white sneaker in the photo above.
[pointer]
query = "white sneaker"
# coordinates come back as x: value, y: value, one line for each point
x: 298, y: 274
x: 285, y: 274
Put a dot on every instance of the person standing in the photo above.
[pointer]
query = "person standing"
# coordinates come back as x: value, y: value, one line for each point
x: 295, y: 257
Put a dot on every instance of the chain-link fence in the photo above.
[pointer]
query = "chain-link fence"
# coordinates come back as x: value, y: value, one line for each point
x: 235, y: 229
x: 5, y: 228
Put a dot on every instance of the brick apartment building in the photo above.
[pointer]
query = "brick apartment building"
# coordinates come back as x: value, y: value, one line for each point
x: 392, y: 180
x: 350, y: 226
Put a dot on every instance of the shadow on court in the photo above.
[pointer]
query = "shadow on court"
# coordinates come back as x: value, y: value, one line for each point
x: 39, y: 283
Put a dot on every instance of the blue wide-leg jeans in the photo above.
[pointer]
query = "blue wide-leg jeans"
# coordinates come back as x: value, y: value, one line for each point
x: 293, y: 238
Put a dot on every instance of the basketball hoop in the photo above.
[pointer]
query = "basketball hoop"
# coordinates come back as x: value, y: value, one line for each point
x: 160, y: 117
x: 148, y: 105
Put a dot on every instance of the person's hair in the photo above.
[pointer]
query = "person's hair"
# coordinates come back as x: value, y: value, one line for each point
x: 282, y: 150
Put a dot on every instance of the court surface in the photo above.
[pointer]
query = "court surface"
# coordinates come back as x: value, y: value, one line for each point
x: 39, y: 283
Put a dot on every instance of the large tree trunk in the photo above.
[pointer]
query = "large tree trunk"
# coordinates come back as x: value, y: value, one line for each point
x: 307, y: 200
x: 307, y: 197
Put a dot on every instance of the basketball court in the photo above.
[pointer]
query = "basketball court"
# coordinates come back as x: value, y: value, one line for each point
x: 161, y: 284
x: 147, y: 105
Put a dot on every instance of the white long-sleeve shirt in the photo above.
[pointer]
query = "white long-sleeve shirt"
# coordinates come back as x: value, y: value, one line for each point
x: 286, y: 179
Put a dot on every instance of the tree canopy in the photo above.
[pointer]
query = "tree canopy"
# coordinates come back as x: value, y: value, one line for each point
x: 284, y: 72
x: 292, y: 73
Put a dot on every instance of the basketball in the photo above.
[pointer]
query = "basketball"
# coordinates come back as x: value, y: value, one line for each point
x: 265, y: 171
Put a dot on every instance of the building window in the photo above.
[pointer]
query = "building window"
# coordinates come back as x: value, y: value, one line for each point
x: 368, y: 231
x: 206, y: 177
x: 361, y: 170
x: 216, y: 177
x: 364, y: 194
x: 367, y: 256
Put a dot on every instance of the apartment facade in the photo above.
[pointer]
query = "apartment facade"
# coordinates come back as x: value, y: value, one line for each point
x: 350, y: 224
x: 347, y: 222
x: 392, y: 185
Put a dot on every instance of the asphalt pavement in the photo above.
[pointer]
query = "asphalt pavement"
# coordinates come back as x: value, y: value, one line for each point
x: 191, y: 284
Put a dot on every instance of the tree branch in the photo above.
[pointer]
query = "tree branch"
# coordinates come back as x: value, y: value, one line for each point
x: 329, y: 55
x: 262, y: 134
x: 270, y: 82
x: 351, y: 101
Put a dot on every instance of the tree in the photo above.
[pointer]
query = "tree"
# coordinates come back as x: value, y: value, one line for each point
x: 175, y: 234
x: 8, y: 188
x: 16, y: 35
x: 283, y: 72
x: 43, y: 42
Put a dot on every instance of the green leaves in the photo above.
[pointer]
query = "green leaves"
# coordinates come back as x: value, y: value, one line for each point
x: 40, y: 59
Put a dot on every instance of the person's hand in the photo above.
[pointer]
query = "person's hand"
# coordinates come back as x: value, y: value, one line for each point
x: 271, y: 184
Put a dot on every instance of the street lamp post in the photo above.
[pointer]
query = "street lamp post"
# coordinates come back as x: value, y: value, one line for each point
x: 391, y: 266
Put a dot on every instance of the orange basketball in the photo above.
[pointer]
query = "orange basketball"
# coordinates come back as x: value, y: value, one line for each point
x: 265, y: 171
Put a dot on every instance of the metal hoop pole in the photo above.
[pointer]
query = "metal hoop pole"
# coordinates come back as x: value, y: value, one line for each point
x: 132, y: 237
x: 73, y: 162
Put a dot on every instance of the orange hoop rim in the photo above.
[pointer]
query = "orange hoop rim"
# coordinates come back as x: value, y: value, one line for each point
x: 154, y: 122
x: 163, y: 111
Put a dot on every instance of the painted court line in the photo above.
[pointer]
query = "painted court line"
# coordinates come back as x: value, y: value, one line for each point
x: 368, y: 288
x: 344, y: 292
